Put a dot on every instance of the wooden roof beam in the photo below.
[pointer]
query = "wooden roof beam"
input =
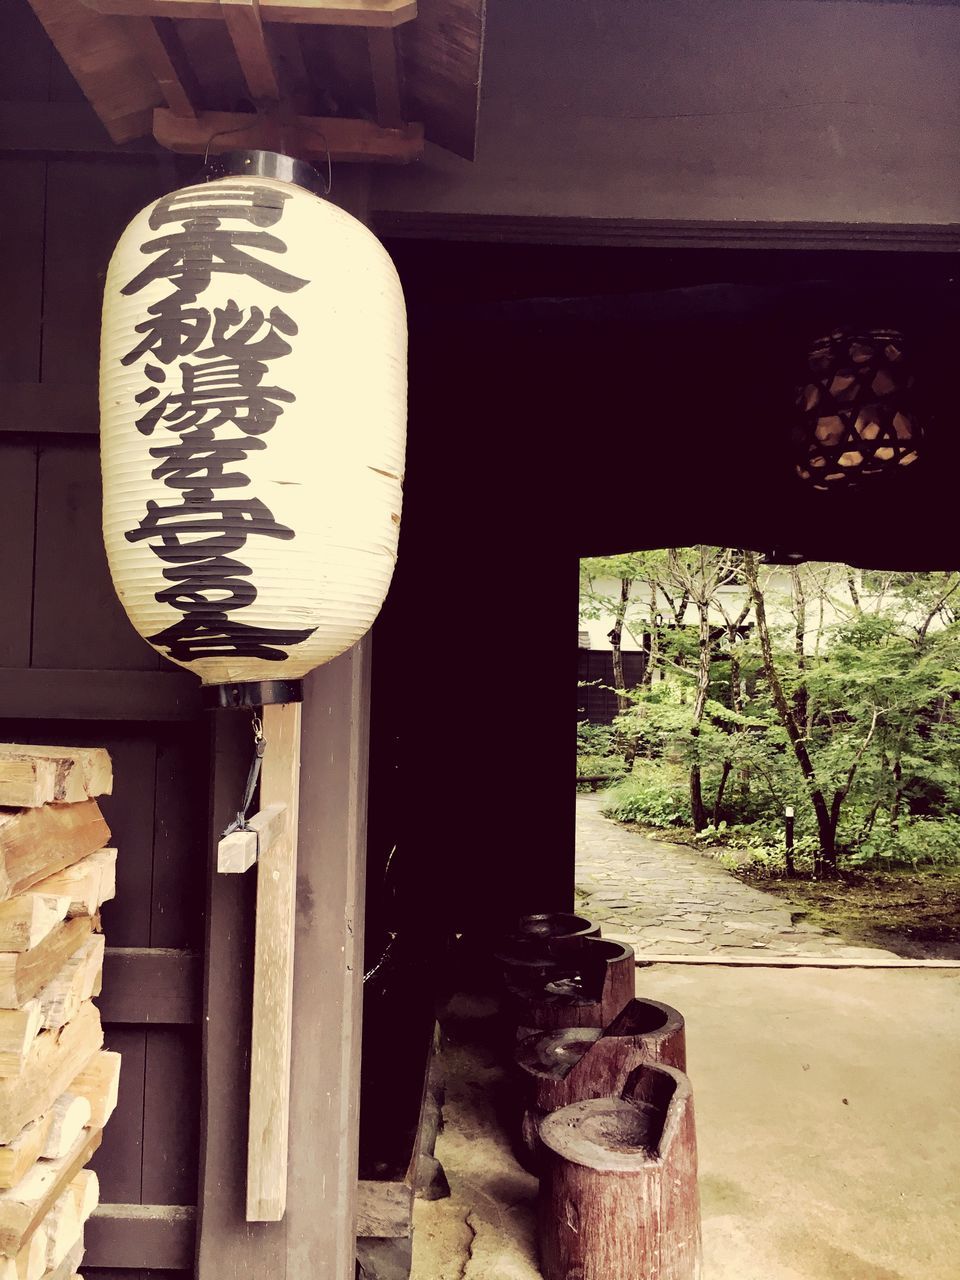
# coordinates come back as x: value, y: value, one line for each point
x: 333, y: 13
x: 159, y: 46
x: 291, y: 70
x: 385, y: 69
x: 358, y: 141
x: 105, y: 63
x: 245, y: 25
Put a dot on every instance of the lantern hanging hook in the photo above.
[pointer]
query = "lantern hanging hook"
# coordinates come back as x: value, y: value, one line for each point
x: 253, y: 777
x: 284, y: 122
x: 329, y: 182
x: 220, y: 133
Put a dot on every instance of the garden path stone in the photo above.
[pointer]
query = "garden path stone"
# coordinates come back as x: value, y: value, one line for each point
x: 669, y: 899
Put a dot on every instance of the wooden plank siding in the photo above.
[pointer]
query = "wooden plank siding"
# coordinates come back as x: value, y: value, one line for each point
x: 596, y: 700
x: 16, y: 539
x: 630, y: 113
x: 111, y: 1273
x: 72, y: 670
x: 99, y: 635
x: 78, y: 249
x: 152, y: 972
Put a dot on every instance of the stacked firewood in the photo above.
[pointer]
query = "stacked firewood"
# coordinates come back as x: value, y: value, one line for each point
x: 57, y: 1085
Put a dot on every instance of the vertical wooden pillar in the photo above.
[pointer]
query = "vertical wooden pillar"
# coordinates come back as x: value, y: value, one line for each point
x: 316, y: 1238
x: 328, y: 989
x: 273, y: 977
x: 328, y: 986
x: 228, y: 1247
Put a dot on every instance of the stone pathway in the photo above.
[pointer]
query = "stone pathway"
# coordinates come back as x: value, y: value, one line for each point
x: 667, y: 899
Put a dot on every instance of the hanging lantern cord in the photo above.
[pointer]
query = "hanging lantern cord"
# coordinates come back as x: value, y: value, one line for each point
x: 253, y: 777
x: 326, y: 190
x: 221, y: 133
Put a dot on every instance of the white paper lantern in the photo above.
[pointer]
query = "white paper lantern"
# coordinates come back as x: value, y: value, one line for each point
x: 253, y: 415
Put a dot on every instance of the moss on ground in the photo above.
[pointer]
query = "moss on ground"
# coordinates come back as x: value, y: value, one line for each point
x: 915, y: 914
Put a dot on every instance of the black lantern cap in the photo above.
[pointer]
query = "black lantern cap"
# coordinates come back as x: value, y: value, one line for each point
x: 249, y: 694
x: 264, y: 164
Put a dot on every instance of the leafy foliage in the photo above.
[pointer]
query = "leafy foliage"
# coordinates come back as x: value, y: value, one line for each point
x: 652, y: 797
x: 597, y: 753
x: 851, y: 714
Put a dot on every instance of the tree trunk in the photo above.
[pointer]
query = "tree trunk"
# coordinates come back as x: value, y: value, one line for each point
x: 736, y: 693
x: 897, y: 797
x: 653, y: 639
x: 616, y: 638
x: 697, y: 807
x: 800, y: 620
x: 727, y: 767
x: 626, y: 743
x: 826, y: 826
x: 558, y: 1068
x: 736, y: 704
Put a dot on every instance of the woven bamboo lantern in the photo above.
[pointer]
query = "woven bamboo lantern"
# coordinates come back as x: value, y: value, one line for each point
x: 857, y: 411
x: 253, y: 414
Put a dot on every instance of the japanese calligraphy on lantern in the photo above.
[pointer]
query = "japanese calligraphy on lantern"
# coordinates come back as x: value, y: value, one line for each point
x: 253, y: 391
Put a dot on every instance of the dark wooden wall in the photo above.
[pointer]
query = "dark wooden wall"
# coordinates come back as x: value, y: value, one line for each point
x: 545, y: 428
x: 73, y: 671
x: 612, y: 120
x: 531, y: 442
x: 596, y: 700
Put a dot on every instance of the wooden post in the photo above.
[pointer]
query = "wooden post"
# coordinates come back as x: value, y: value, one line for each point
x: 228, y: 1247
x: 273, y: 972
x: 328, y: 994
x: 788, y: 852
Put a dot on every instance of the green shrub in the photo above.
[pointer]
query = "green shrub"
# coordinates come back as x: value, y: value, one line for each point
x: 760, y: 847
x: 590, y: 766
x: 935, y: 840
x: 914, y: 842
x: 595, y: 740
x: 597, y: 750
x: 654, y: 797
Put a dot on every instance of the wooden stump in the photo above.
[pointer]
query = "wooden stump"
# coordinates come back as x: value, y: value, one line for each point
x: 528, y: 965
x: 659, y: 1027
x: 557, y: 930
x: 543, y: 948
x: 618, y: 1191
x: 562, y: 1067
x: 616, y: 973
x: 596, y: 981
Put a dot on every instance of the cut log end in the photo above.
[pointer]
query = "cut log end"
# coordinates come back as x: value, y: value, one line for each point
x: 554, y: 1054
x: 619, y: 1184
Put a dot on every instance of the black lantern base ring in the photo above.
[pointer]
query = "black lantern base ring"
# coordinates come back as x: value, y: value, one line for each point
x: 263, y: 164
x: 250, y: 694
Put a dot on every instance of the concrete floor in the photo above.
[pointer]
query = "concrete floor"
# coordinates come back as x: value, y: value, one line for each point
x: 828, y: 1115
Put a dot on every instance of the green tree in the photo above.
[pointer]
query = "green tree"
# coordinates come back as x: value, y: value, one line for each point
x: 636, y: 581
